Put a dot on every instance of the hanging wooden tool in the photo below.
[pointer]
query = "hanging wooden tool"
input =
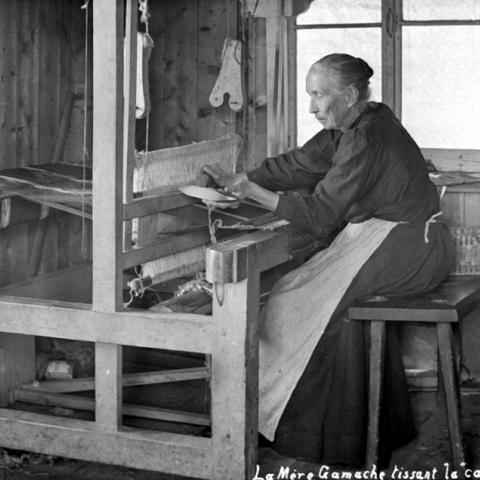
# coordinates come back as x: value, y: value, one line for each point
x: 230, y: 77
x: 144, y: 50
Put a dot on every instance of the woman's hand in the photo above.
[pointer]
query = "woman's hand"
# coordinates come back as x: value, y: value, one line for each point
x: 239, y: 185
x: 235, y: 183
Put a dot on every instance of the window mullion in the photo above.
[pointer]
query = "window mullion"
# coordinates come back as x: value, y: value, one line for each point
x: 391, y: 54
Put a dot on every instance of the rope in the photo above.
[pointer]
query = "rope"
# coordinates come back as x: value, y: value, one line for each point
x: 211, y: 224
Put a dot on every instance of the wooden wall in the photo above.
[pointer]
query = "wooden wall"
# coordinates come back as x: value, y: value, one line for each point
x: 41, y: 42
x: 35, y: 75
x: 184, y: 66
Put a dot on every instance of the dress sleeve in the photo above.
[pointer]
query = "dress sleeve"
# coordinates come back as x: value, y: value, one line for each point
x: 300, y: 167
x: 352, y: 175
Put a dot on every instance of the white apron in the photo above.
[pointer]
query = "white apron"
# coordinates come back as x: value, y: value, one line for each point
x: 298, y: 310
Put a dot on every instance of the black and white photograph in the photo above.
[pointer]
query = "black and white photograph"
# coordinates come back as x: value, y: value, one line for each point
x: 239, y: 239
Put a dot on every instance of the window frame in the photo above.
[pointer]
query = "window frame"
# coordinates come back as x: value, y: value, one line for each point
x: 391, y: 24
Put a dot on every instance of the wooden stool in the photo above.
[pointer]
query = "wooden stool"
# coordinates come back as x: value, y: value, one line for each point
x: 447, y: 304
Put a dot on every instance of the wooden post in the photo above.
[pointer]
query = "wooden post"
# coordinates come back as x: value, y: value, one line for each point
x: 17, y: 363
x: 107, y: 153
x: 450, y: 390
x: 108, y: 25
x: 108, y: 386
x: 235, y: 365
x: 377, y: 352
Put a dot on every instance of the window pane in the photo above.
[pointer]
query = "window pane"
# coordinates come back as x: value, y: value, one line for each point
x: 313, y: 45
x: 341, y: 11
x: 440, y: 98
x: 441, y: 9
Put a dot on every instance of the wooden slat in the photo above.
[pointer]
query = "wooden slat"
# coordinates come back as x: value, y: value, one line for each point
x: 107, y: 153
x: 172, y: 331
x: 128, y: 380
x: 167, y: 452
x: 234, y: 364
x: 88, y: 404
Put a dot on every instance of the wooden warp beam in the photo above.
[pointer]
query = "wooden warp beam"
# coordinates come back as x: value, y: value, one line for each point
x: 177, y: 166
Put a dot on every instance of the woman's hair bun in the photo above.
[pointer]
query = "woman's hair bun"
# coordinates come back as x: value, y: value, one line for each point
x: 365, y: 67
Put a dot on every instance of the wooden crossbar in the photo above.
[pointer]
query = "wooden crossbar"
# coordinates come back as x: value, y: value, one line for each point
x: 161, y: 451
x: 84, y: 403
x: 128, y: 380
x: 74, y: 321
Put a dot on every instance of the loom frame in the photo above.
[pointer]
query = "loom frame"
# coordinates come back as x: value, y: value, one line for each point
x: 229, y: 335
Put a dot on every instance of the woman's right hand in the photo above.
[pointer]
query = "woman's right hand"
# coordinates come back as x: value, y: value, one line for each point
x: 219, y: 175
x: 235, y: 183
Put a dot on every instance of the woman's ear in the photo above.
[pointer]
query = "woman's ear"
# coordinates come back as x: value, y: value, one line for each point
x: 352, y: 96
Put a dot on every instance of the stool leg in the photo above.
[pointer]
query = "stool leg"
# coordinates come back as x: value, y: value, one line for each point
x: 447, y: 362
x: 377, y: 352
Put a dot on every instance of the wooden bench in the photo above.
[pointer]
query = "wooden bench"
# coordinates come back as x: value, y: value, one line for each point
x: 444, y: 306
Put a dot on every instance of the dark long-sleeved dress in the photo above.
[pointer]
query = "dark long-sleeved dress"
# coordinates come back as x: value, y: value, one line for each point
x: 373, y: 170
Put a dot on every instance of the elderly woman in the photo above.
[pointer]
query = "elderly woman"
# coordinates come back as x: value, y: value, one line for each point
x: 365, y: 173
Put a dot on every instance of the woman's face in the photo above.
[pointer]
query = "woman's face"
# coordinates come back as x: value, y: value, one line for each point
x: 327, y: 102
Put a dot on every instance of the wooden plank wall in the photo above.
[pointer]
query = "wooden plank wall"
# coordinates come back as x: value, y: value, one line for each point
x: 184, y: 66
x: 35, y: 77
x: 39, y: 53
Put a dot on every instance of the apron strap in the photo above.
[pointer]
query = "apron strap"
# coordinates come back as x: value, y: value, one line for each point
x: 432, y: 219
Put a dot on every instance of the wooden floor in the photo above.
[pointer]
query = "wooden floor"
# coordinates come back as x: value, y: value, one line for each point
x: 428, y: 451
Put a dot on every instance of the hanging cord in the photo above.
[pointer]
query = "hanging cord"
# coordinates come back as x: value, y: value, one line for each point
x: 211, y: 224
x: 144, y: 18
x: 85, y: 155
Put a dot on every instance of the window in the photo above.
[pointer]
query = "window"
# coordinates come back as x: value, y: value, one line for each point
x: 425, y: 54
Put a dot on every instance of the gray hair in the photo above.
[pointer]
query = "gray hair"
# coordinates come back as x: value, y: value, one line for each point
x: 347, y: 70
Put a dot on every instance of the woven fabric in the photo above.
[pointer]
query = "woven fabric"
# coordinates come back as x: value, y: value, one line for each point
x: 298, y: 310
x: 169, y: 168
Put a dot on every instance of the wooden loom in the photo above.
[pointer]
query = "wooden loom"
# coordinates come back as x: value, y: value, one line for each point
x: 229, y: 335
